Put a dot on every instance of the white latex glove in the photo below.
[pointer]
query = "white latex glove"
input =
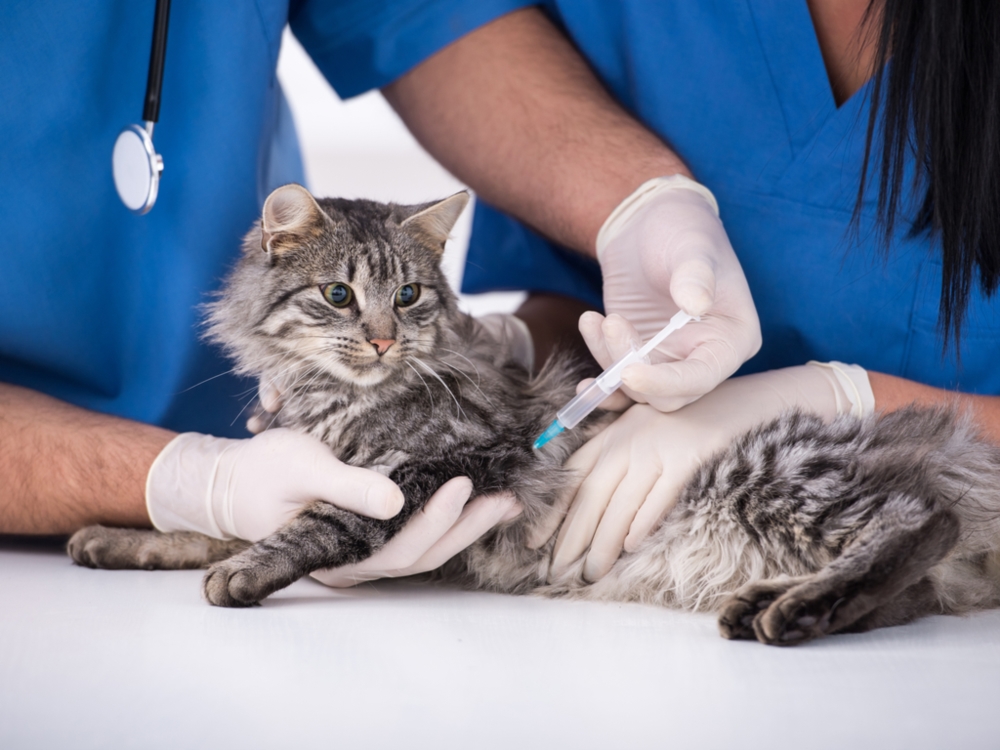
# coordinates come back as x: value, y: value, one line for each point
x: 248, y: 488
x: 633, y: 471
x: 442, y: 529
x: 664, y: 249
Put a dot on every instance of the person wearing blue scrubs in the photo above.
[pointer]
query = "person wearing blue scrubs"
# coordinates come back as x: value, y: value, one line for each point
x: 767, y: 105
x: 100, y: 360
x: 740, y: 91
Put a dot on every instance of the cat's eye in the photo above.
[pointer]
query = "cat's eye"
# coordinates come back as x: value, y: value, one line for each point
x: 338, y: 295
x: 407, y: 294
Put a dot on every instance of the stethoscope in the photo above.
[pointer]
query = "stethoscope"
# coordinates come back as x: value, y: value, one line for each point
x: 134, y: 162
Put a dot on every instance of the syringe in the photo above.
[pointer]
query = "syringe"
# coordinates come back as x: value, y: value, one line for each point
x: 606, y: 383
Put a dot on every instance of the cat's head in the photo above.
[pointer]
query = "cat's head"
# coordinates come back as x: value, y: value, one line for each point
x: 352, y: 289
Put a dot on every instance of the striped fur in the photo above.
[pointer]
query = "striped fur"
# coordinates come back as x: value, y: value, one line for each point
x: 797, y: 530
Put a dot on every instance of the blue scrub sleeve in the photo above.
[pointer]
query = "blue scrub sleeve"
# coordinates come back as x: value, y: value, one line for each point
x: 360, y: 45
x: 505, y: 255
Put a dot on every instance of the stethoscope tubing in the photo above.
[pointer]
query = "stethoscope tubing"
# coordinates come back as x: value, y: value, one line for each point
x: 157, y: 56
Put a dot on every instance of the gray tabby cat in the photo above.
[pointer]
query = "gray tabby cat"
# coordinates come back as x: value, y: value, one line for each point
x: 798, y: 530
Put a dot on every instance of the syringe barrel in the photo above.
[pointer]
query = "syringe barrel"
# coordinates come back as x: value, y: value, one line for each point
x: 584, y: 403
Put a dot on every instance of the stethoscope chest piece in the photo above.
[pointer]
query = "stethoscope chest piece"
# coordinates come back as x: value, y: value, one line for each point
x: 135, y: 164
x: 136, y: 167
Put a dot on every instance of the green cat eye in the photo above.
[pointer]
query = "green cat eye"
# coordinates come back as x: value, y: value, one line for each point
x: 338, y: 295
x: 407, y: 294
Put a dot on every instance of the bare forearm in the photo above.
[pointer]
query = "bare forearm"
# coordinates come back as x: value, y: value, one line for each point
x: 62, y: 467
x: 894, y: 393
x: 514, y: 111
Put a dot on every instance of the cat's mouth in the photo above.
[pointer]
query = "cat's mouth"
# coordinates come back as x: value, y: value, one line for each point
x: 373, y: 371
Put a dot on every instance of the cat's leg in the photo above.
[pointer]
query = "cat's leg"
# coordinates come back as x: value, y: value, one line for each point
x: 881, y: 564
x: 116, y: 549
x: 919, y: 600
x: 321, y: 536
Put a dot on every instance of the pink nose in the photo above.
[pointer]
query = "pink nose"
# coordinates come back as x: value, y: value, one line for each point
x: 381, y: 345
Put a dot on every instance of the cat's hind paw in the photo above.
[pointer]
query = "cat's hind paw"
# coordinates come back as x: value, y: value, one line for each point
x: 795, y: 618
x: 109, y: 548
x: 741, y: 612
x: 88, y: 546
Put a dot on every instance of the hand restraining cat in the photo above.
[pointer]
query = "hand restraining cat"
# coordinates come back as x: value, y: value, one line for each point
x: 799, y: 529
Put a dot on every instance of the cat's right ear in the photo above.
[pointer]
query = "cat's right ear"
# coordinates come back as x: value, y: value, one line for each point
x: 291, y: 216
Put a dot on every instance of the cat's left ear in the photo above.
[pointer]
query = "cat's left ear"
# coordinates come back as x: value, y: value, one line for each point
x: 431, y: 225
x: 290, y: 216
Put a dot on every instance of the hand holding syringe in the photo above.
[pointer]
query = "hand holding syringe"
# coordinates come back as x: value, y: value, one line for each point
x: 606, y: 383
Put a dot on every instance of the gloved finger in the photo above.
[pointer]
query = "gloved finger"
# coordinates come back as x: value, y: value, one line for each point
x: 617, y: 338
x: 670, y: 385
x: 441, y: 512
x: 667, y: 388
x: 609, y: 540
x: 620, y: 336
x: 585, y: 513
x: 692, y: 286
x: 269, y: 395
x: 581, y: 464
x: 478, y: 517
x: 617, y: 401
x: 257, y: 423
x: 590, y: 328
x: 660, y: 500
x: 349, y: 487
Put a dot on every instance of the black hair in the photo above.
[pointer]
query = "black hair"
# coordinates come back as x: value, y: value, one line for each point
x: 936, y: 92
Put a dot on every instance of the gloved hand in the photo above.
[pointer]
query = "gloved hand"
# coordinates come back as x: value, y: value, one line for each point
x: 443, y: 528
x: 664, y: 249
x: 633, y: 471
x: 248, y: 488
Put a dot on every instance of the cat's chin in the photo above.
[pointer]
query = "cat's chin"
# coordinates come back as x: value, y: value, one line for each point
x: 372, y: 374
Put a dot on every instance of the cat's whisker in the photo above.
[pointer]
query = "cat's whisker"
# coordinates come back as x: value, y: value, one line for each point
x: 471, y: 364
x: 240, y: 412
x: 252, y: 399
x: 474, y: 384
x: 429, y: 393
x: 294, y: 383
x: 316, y: 370
x: 429, y: 369
x: 258, y: 368
x: 206, y: 380
x: 221, y: 374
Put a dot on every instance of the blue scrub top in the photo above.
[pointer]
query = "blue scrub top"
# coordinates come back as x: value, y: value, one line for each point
x: 739, y: 89
x: 99, y: 307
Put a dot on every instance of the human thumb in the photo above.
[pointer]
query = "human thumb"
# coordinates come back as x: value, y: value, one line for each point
x: 692, y: 286
x: 352, y: 488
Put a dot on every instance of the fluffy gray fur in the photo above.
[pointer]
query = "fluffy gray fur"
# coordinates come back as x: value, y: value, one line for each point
x: 798, y: 530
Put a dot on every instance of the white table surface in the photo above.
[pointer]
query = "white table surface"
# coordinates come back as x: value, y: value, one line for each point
x: 94, y: 659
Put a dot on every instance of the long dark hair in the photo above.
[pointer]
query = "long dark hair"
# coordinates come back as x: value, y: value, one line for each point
x: 939, y: 95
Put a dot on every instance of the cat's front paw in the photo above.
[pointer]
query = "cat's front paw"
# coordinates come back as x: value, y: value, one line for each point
x: 232, y: 584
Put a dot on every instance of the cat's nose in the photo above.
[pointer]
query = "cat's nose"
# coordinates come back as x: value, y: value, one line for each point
x: 381, y: 345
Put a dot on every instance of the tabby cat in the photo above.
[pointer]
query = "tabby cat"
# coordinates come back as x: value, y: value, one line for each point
x: 799, y: 529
